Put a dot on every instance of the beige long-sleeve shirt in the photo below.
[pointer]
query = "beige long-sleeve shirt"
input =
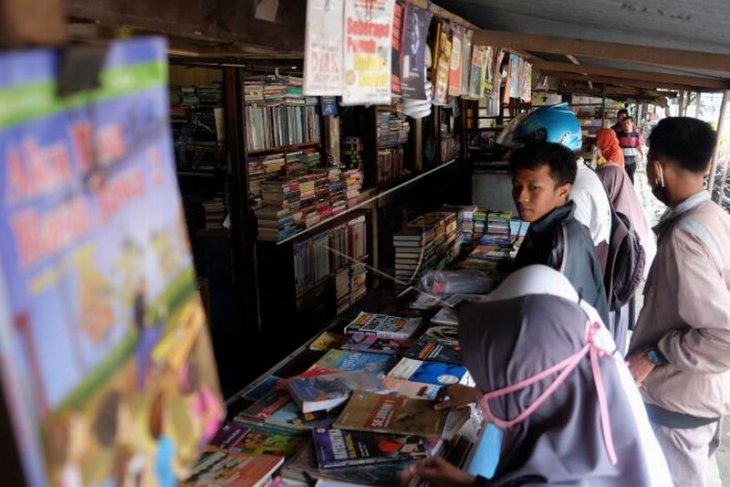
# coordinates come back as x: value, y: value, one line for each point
x: 687, y: 311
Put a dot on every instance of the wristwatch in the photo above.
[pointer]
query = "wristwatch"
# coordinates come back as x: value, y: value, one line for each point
x: 655, y: 356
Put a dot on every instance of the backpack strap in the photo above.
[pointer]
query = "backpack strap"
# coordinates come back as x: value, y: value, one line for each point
x: 695, y: 228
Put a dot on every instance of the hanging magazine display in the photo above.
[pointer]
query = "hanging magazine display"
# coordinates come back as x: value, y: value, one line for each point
x: 514, y: 75
x: 367, y: 57
x: 442, y: 64
x: 105, y: 360
x: 323, y: 48
x: 413, y: 52
x: 498, y: 58
x: 476, y: 74
x: 457, y: 40
x: 466, y: 62
x: 397, y: 45
x: 526, y: 82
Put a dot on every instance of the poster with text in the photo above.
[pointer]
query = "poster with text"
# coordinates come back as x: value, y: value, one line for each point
x: 399, y: 8
x: 457, y: 39
x: 367, y: 65
x: 323, y: 48
x: 413, y: 52
x: 105, y: 358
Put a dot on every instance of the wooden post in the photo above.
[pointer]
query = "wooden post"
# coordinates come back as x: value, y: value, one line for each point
x: 713, y: 164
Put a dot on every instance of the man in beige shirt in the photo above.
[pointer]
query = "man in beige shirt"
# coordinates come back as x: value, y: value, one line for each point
x: 680, y: 351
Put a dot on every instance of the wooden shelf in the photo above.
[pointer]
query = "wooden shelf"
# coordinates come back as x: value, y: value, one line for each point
x: 284, y: 148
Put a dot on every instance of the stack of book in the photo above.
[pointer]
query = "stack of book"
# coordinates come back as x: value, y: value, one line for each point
x: 351, y: 152
x: 215, y: 212
x: 392, y: 129
x: 353, y: 184
x: 389, y: 164
x: 311, y: 158
x: 480, y: 223
x: 294, y: 164
x: 275, y: 223
x: 498, y: 228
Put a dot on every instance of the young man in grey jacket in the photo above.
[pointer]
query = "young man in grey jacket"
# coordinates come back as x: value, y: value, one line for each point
x: 680, y: 350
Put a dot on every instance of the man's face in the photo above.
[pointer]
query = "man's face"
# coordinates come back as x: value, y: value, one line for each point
x: 536, y: 194
x: 627, y: 125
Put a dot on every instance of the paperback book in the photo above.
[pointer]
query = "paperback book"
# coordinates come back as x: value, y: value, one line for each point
x: 384, y: 326
x: 340, y: 448
x: 328, y: 391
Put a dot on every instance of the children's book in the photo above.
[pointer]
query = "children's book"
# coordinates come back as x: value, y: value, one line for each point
x: 102, y: 330
x: 225, y: 468
x: 367, y: 411
x: 360, y: 342
x: 384, y: 326
x: 266, y: 439
x: 431, y: 350
x: 340, y: 448
x: 438, y: 373
x: 348, y: 361
x: 329, y: 391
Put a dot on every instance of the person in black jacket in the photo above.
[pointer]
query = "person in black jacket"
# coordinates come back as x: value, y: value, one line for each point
x: 542, y: 176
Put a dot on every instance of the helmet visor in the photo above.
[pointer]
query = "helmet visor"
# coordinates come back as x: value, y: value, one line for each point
x: 507, y: 137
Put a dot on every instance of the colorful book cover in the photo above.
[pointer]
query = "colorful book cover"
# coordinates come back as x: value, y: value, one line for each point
x: 269, y: 440
x: 346, y: 360
x: 104, y: 339
x: 326, y: 341
x: 303, y: 467
x: 384, y: 326
x: 291, y: 416
x: 361, y: 342
x: 437, y: 373
x: 413, y: 52
x: 457, y: 40
x: 448, y: 334
x: 396, y: 45
x: 228, y: 435
x: 434, y: 351
x: 339, y: 448
x: 265, y: 407
x: 329, y: 391
x: 225, y: 468
x: 367, y: 52
x: 476, y: 84
x: 367, y: 411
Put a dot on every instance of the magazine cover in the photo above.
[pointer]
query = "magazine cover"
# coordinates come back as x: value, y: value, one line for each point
x: 413, y: 52
x: 105, y: 359
x: 339, y: 448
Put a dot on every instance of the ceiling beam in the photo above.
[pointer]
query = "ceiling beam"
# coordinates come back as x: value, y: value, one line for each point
x: 658, y: 56
x: 612, y: 81
x: 687, y: 81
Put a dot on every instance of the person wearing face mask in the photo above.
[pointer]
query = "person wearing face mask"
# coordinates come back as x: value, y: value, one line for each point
x: 680, y: 350
x: 549, y: 380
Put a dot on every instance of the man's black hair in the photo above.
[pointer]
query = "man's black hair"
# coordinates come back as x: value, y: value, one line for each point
x: 560, y: 159
x: 686, y: 141
x: 623, y: 110
x: 627, y: 119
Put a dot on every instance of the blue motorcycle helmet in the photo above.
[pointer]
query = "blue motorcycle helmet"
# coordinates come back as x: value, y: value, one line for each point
x: 554, y: 123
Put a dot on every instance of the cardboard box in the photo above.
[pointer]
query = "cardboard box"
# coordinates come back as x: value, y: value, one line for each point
x: 32, y: 22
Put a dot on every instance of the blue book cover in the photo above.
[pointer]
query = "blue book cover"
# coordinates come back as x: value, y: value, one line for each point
x: 437, y: 373
x: 344, y: 360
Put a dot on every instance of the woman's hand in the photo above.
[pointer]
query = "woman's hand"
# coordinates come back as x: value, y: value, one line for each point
x: 456, y: 396
x: 437, y: 472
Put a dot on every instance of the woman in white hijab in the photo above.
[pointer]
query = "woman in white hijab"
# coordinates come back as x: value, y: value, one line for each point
x: 550, y: 380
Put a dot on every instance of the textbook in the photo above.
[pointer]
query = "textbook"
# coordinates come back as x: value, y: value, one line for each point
x: 224, y: 468
x: 339, y: 448
x: 349, y: 360
x: 440, y: 374
x: 434, y: 351
x: 384, y: 326
x: 328, y: 391
x: 367, y: 411
x: 370, y: 343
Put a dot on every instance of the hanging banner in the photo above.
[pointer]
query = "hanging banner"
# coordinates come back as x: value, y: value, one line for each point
x: 488, y: 69
x: 397, y: 45
x: 442, y: 64
x: 496, y: 91
x: 323, y: 48
x: 368, y: 26
x: 106, y: 366
x: 457, y: 40
x: 476, y: 83
x: 526, y: 82
x: 514, y: 75
x: 413, y: 52
x: 466, y: 62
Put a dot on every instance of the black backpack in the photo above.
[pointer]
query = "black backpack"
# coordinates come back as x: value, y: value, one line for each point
x: 625, y: 263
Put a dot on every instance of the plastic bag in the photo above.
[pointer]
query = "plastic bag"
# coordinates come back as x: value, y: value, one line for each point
x: 464, y: 281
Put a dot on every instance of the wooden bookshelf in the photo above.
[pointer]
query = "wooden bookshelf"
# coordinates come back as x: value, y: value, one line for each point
x: 285, y: 148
